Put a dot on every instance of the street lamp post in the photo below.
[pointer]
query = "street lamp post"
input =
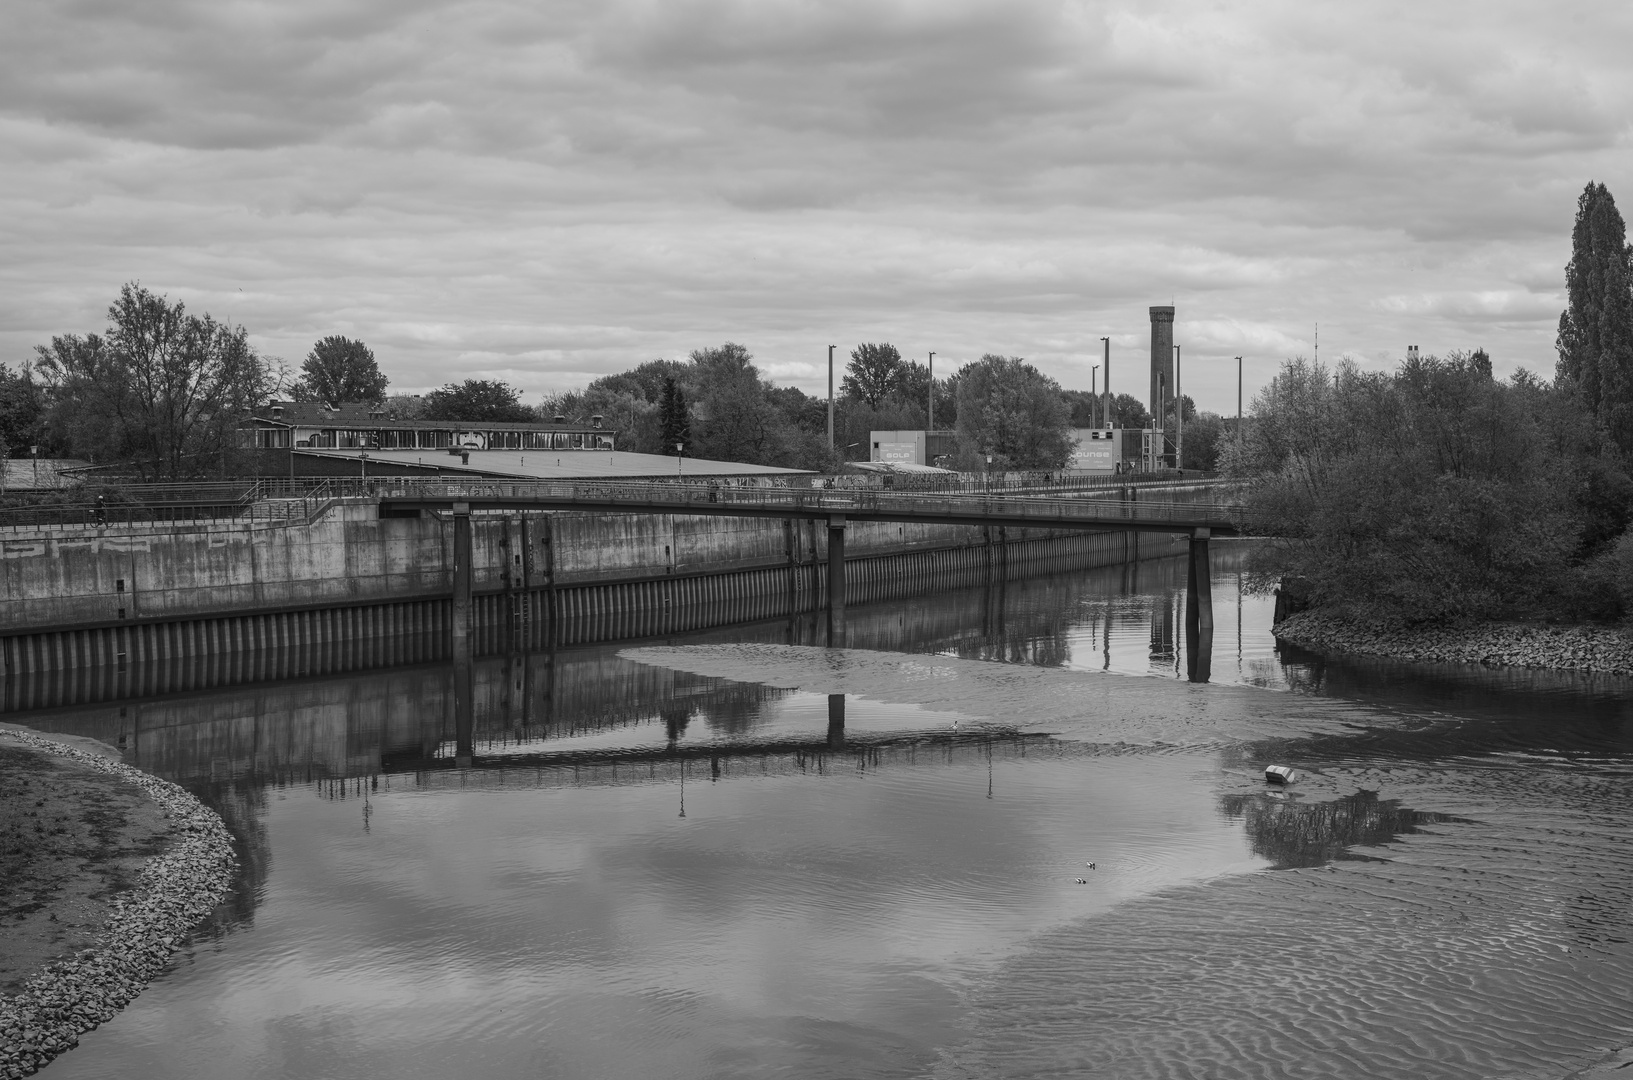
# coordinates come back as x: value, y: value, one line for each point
x: 830, y: 398
x: 1094, y: 394
x: 1105, y: 413
x: 931, y: 426
x: 1238, y: 411
x: 679, y: 466
x: 1179, y: 414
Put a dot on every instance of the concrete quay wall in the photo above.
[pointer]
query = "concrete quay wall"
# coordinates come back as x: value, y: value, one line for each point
x: 80, y: 596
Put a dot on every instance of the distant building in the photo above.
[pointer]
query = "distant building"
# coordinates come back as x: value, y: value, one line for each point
x: 912, y: 447
x: 311, y: 439
x: 313, y: 425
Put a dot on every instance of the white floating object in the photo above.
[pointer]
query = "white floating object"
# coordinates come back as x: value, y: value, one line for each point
x: 1279, y: 774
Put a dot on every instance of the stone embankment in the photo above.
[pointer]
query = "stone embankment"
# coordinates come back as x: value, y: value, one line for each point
x: 174, y: 892
x: 1599, y: 649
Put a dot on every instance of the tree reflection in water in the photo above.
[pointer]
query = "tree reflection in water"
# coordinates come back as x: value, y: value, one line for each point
x: 1292, y: 833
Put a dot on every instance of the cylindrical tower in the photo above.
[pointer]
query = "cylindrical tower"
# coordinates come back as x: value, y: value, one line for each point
x: 1162, y: 360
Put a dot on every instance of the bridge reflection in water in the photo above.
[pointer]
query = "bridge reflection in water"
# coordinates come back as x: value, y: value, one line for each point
x: 369, y: 711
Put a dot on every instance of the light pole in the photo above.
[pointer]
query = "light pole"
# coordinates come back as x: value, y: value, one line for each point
x: 1094, y: 393
x: 1105, y: 413
x: 679, y: 467
x: 1179, y: 413
x: 931, y: 426
x: 830, y: 398
x: 1238, y: 412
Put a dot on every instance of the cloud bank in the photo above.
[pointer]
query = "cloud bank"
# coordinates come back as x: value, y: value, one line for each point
x: 546, y: 193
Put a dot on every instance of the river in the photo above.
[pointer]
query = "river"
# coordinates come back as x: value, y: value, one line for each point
x: 998, y: 836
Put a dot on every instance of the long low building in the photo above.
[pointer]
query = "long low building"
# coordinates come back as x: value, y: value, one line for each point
x: 314, y: 425
x: 523, y: 464
x: 296, y: 438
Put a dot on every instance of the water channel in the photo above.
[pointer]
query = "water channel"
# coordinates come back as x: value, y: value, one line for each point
x: 737, y: 853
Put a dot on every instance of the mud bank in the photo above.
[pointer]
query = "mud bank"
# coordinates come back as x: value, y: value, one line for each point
x: 173, y: 891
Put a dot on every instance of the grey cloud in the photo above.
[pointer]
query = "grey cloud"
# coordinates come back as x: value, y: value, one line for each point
x: 580, y: 186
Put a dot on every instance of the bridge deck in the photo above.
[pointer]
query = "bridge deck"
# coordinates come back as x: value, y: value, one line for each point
x: 1097, y: 510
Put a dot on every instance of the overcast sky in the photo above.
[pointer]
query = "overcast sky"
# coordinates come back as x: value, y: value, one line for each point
x: 546, y: 192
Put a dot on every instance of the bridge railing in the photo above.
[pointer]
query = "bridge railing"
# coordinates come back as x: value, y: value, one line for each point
x: 289, y: 500
x: 1101, y: 506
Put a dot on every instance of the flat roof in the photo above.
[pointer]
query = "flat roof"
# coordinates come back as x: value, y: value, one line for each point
x: 558, y: 464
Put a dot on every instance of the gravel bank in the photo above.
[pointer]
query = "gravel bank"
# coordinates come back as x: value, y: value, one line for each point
x: 1605, y: 650
x: 174, y: 891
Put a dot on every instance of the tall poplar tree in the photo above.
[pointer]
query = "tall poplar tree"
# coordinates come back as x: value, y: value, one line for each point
x: 1596, y: 331
x: 675, y: 428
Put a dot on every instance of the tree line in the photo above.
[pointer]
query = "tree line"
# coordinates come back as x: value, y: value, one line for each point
x: 1440, y: 493
x: 161, y: 394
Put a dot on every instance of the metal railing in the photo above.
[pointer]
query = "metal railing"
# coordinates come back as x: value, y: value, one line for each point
x: 1024, y: 507
x: 291, y: 500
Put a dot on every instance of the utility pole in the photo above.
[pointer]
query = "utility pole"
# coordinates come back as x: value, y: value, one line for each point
x: 830, y: 398
x: 1238, y: 411
x: 1179, y: 414
x: 1105, y: 413
x: 931, y: 426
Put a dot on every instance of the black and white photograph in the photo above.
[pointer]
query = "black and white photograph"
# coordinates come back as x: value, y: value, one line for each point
x: 730, y: 539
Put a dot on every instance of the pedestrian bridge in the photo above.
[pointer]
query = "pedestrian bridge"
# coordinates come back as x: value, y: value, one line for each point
x: 1128, y: 508
x: 1099, y: 509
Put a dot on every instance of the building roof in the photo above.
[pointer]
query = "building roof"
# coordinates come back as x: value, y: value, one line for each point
x: 903, y: 468
x: 38, y: 474
x: 356, y: 414
x: 560, y: 464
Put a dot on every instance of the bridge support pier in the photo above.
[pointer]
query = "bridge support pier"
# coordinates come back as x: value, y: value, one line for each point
x: 459, y: 632
x: 1199, y: 610
x: 836, y: 582
x: 464, y: 713
x: 459, y: 623
x: 836, y: 721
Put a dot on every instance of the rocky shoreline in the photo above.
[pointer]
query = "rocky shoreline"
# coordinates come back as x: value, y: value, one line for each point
x: 1598, y: 649
x: 175, y: 891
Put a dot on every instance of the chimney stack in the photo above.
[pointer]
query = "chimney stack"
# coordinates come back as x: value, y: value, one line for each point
x: 1162, y: 360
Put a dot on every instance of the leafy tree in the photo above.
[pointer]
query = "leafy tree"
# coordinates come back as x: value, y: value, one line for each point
x: 913, y: 393
x: 1203, y: 434
x: 1012, y: 412
x: 1436, y: 493
x: 874, y: 373
x: 1189, y: 406
x: 673, y: 418
x: 733, y: 420
x: 22, y: 408
x: 162, y: 392
x: 477, y: 400
x: 404, y: 406
x: 339, y: 369
x: 1128, y: 411
x: 1595, y: 339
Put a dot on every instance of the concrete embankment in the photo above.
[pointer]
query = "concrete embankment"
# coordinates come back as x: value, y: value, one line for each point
x: 1603, y: 649
x: 82, y: 597
x: 173, y: 893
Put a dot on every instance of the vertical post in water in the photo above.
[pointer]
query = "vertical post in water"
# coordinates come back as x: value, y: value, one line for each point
x: 459, y: 625
x: 459, y: 629
x: 464, y: 713
x: 836, y: 721
x: 836, y: 582
x: 1199, y: 610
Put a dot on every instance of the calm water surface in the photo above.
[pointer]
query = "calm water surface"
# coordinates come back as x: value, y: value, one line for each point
x: 741, y: 854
